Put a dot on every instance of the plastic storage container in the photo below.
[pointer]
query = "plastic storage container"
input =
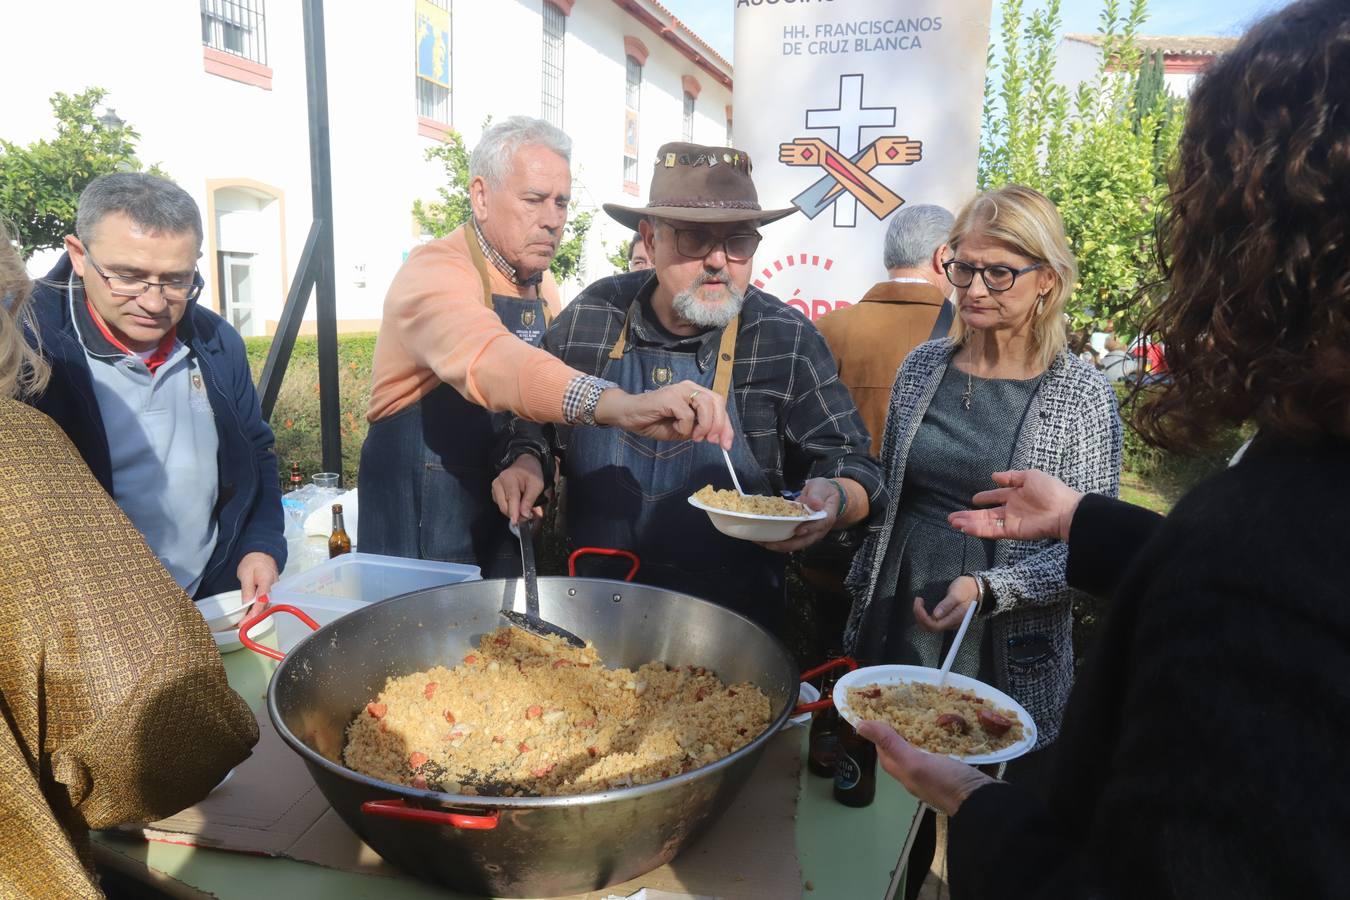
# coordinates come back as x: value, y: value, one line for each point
x: 345, y: 583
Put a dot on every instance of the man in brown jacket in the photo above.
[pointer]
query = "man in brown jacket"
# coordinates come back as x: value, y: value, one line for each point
x: 872, y: 338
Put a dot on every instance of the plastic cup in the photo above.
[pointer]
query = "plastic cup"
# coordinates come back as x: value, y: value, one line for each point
x: 326, y: 479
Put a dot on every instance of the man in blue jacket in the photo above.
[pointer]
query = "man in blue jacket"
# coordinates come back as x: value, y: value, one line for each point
x: 155, y: 391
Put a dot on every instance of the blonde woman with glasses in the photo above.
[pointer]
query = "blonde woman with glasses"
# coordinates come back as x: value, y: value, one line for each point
x: 1001, y: 392
x: 116, y: 704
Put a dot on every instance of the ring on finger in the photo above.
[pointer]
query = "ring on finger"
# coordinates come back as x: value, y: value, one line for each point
x: 694, y: 396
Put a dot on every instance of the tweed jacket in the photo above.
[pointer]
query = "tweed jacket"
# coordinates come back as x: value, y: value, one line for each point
x: 116, y: 707
x: 1071, y: 430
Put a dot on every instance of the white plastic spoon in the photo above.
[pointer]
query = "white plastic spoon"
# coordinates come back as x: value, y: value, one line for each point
x: 732, y: 469
x: 956, y: 644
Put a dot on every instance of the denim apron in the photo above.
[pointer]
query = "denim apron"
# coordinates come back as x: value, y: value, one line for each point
x: 630, y: 492
x: 426, y: 471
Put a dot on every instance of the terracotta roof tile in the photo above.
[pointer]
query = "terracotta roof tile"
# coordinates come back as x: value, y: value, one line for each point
x: 1178, y: 45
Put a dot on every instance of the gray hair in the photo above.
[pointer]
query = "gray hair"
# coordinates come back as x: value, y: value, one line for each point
x: 155, y: 204
x: 913, y: 234
x: 491, y: 159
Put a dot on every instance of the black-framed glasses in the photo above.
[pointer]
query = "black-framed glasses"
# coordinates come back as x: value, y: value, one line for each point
x: 996, y: 278
x: 124, y: 286
x: 696, y: 243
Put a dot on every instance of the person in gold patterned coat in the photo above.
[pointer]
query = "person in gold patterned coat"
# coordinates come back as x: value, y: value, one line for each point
x: 114, y: 700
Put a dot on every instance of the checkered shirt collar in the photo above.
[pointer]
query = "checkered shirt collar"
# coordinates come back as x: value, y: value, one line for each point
x: 500, y: 261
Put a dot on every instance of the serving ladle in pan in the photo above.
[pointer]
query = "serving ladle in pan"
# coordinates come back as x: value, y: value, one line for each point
x: 529, y: 620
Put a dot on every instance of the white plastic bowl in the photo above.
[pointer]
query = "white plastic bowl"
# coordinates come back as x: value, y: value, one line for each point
x: 895, y: 674
x: 228, y: 640
x: 222, y: 611
x: 753, y: 527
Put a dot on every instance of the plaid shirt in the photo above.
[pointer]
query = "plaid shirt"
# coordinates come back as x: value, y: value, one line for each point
x: 797, y: 416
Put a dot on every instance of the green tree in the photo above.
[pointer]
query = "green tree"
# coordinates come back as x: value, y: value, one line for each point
x: 40, y: 184
x: 1100, y: 156
x: 567, y: 261
x: 451, y: 209
x: 618, y: 257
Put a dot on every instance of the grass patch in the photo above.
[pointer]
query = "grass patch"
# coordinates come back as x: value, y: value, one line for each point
x: 1157, y: 494
x: 295, y: 420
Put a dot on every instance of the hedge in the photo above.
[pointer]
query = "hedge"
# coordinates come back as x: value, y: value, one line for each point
x: 296, y: 416
x: 1152, y: 464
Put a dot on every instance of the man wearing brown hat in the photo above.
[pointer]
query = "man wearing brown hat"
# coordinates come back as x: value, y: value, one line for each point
x: 694, y: 317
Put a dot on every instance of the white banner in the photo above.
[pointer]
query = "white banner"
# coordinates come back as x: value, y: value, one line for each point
x: 850, y: 109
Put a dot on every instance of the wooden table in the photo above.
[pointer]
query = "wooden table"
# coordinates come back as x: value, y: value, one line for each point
x: 845, y: 854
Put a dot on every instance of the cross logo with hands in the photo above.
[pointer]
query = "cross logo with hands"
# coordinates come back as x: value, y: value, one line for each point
x: 853, y: 175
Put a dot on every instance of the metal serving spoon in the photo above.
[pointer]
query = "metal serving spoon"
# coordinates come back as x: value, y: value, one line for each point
x: 529, y: 620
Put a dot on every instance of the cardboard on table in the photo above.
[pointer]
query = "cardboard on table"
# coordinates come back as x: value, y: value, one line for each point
x: 271, y: 806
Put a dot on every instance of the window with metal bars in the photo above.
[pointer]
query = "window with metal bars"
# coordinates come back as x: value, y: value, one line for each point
x: 633, y: 102
x: 236, y: 26
x: 633, y: 94
x: 433, y: 100
x: 551, y: 95
x: 688, y: 117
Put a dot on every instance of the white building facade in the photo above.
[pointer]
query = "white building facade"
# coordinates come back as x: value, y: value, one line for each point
x: 217, y: 91
x: 1184, y: 58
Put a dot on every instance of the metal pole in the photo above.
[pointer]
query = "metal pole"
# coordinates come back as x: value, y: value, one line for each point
x: 321, y: 175
x: 901, y: 870
x: 279, y: 354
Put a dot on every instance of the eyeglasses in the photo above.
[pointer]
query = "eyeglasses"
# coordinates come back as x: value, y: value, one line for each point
x: 996, y: 278
x: 122, y: 286
x: 695, y: 243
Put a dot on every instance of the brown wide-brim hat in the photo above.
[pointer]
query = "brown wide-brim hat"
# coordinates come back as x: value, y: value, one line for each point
x: 694, y: 183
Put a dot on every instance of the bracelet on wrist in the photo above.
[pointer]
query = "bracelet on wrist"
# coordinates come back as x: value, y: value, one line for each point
x: 592, y: 400
x: 980, y: 590
x: 582, y: 397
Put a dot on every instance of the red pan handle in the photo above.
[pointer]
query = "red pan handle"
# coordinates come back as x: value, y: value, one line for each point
x: 253, y: 619
x: 603, y: 551
x: 399, y: 809
x: 842, y: 662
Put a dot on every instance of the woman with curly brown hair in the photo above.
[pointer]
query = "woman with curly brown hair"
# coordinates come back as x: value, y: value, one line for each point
x: 1202, y: 752
x: 114, y: 699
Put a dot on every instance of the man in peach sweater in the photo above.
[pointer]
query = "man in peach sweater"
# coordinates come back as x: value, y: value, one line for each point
x: 458, y: 342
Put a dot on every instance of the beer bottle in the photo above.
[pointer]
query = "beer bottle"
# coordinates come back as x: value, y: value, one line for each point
x: 295, y: 481
x: 824, y: 737
x: 855, y: 768
x: 338, y: 542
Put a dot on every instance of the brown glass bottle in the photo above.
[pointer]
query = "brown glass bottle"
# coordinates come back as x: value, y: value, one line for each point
x: 855, y: 768
x: 824, y: 737
x: 338, y: 542
x: 295, y: 480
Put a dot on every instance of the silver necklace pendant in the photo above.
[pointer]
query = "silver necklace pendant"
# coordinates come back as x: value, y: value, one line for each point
x: 965, y: 399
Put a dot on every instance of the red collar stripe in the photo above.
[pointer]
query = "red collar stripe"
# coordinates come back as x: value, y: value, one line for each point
x: 156, y: 359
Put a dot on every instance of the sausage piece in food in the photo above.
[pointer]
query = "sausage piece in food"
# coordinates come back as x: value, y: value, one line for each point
x: 993, y: 723
x: 953, y: 722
